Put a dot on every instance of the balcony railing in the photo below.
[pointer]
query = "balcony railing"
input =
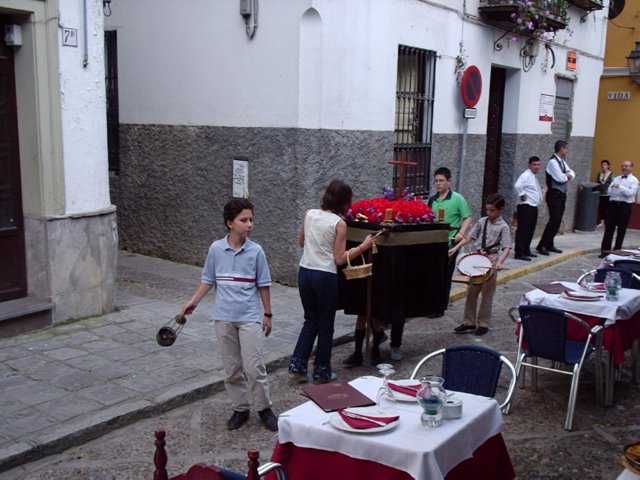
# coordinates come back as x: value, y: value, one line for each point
x: 552, y: 14
x: 589, y: 5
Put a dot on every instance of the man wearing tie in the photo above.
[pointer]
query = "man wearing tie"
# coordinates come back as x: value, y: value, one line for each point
x: 558, y: 176
x: 622, y: 193
x: 529, y: 197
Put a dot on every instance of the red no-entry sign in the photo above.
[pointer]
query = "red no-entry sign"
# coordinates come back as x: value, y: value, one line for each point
x: 471, y: 86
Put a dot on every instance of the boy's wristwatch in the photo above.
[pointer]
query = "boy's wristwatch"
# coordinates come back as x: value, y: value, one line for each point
x: 268, y: 315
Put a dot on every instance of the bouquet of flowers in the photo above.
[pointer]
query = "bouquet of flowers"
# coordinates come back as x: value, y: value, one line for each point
x: 406, y: 209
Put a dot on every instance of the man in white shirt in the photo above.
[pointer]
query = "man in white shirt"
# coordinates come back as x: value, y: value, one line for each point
x: 622, y: 194
x: 529, y: 195
x: 558, y: 176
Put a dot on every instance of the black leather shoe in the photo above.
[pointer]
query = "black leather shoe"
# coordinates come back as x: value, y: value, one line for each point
x: 353, y: 360
x: 542, y: 251
x: 603, y: 255
x: 532, y: 255
x: 554, y: 250
x: 481, y: 330
x: 464, y: 328
x: 237, y: 420
x: 522, y: 257
x: 436, y: 315
x: 376, y: 358
x: 269, y: 419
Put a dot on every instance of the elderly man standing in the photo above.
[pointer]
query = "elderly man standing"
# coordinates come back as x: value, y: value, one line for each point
x: 529, y: 195
x: 622, y: 193
x: 558, y: 176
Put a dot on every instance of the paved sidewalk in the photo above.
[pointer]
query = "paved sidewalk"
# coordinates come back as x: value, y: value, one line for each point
x: 68, y: 384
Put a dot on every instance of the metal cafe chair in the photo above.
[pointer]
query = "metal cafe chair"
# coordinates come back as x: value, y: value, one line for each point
x: 628, y: 277
x: 543, y: 335
x: 472, y: 369
x: 628, y: 264
x: 201, y: 471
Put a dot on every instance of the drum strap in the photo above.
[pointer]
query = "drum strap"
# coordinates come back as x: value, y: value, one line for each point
x: 483, y: 247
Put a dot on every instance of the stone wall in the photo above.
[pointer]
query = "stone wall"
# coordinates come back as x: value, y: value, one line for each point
x: 72, y: 261
x: 174, y: 181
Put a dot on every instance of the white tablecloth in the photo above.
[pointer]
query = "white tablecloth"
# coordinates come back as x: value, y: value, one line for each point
x: 622, y: 309
x: 422, y: 452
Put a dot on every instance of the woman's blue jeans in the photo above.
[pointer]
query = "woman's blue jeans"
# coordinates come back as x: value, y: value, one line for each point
x: 319, y: 295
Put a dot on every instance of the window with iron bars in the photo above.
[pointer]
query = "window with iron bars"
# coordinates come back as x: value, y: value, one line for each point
x: 414, y: 118
x: 111, y: 86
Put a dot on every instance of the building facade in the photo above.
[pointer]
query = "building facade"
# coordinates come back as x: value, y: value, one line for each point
x: 617, y: 136
x: 274, y: 99
x: 58, y: 232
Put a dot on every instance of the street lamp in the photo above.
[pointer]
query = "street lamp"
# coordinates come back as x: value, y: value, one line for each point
x: 634, y: 64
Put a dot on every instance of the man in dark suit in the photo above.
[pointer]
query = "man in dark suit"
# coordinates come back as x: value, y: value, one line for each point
x: 558, y: 175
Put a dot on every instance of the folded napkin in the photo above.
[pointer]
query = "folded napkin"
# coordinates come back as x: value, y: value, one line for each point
x: 582, y: 297
x: 362, y: 422
x: 410, y: 390
x: 600, y: 287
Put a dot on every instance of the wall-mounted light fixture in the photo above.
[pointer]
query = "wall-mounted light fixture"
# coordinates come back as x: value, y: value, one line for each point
x: 106, y: 7
x: 634, y: 64
x: 249, y: 12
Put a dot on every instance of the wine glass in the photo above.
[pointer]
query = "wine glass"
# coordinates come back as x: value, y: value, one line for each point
x: 385, y: 400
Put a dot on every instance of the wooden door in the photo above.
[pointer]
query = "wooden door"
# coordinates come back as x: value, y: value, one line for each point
x: 494, y: 133
x: 13, y: 279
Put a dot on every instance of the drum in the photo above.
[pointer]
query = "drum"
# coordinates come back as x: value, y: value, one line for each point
x: 477, y: 266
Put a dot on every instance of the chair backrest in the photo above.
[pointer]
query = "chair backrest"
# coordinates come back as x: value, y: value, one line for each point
x: 626, y: 264
x: 471, y: 369
x: 200, y: 471
x: 629, y: 279
x: 544, y: 330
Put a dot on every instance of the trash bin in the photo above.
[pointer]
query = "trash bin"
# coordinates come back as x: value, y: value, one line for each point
x: 587, y: 206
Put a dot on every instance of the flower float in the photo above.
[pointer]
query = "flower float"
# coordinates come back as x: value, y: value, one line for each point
x: 389, y: 208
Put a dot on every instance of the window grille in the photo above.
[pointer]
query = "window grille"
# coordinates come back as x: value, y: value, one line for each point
x: 414, y: 118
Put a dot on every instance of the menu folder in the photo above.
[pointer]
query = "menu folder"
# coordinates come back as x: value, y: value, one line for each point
x: 552, y: 287
x: 336, y: 395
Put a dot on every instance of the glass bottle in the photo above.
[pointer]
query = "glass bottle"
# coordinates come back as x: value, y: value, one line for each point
x: 431, y: 397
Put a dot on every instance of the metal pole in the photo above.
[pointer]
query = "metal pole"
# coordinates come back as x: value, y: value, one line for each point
x: 465, y: 125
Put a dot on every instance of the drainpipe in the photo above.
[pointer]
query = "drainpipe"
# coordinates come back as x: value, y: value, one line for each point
x: 85, y: 58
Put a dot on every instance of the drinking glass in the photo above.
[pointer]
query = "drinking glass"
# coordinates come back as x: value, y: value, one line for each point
x: 385, y: 400
x: 613, y: 282
x: 431, y: 397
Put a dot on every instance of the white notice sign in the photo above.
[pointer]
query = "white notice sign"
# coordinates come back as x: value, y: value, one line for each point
x: 240, y: 179
x: 545, y: 113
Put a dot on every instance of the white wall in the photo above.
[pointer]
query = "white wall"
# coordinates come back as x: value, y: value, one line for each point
x: 82, y: 97
x: 191, y: 63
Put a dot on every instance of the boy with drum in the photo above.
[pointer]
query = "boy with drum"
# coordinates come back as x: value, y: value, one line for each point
x: 492, y: 237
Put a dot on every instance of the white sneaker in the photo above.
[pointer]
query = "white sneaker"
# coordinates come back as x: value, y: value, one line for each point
x: 396, y: 354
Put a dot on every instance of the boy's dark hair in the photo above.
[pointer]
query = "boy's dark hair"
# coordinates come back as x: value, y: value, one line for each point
x: 233, y: 208
x: 443, y: 171
x: 533, y: 159
x: 560, y: 144
x: 495, y: 199
x: 337, y: 197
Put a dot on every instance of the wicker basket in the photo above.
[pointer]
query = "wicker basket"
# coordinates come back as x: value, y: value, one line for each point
x: 357, y: 271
